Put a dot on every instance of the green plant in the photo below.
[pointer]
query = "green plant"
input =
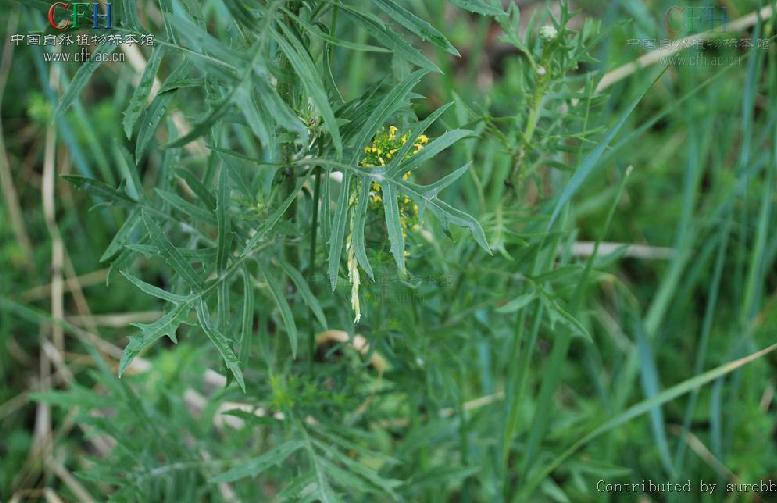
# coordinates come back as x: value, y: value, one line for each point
x: 404, y: 251
x: 275, y: 199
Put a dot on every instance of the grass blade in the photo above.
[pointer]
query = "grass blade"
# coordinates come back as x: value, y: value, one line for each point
x: 642, y: 408
x: 82, y: 77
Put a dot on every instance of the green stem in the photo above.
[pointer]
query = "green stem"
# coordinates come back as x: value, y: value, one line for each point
x: 531, y: 127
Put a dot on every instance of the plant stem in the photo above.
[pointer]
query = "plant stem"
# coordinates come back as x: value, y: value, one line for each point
x: 531, y: 127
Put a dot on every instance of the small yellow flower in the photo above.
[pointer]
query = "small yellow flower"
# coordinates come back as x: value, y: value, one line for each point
x: 386, y: 144
x: 420, y: 142
x: 384, y: 147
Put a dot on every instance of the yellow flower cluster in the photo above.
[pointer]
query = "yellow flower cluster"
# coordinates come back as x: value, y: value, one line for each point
x: 383, y: 148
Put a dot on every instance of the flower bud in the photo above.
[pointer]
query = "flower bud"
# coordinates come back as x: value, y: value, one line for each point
x: 548, y: 32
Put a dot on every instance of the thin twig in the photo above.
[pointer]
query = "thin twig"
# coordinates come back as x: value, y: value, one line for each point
x: 585, y: 249
x: 114, y: 319
x: 43, y: 291
x: 12, y: 405
x: 51, y: 496
x: 41, y: 445
x: 58, y: 359
x: 48, y: 195
x: 71, y: 482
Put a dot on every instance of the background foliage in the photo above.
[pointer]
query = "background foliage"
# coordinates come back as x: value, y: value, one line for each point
x: 189, y: 235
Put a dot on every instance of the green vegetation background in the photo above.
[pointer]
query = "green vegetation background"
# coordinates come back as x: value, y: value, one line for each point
x: 590, y: 272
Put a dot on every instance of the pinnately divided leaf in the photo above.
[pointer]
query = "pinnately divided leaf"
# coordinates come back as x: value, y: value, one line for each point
x: 387, y: 106
x: 151, y: 119
x: 359, y: 221
x: 222, y: 217
x: 410, y: 21
x: 122, y: 236
x: 155, y: 291
x: 300, y: 60
x: 426, y: 198
x: 394, y: 165
x: 255, y: 466
x: 276, y: 291
x: 305, y: 292
x: 394, y: 226
x: 171, y: 255
x: 137, y: 102
x: 391, y: 40
x: 434, y: 147
x: 221, y: 342
x: 101, y: 190
x: 167, y: 325
x: 484, y: 7
x: 247, y: 318
x: 339, y: 224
